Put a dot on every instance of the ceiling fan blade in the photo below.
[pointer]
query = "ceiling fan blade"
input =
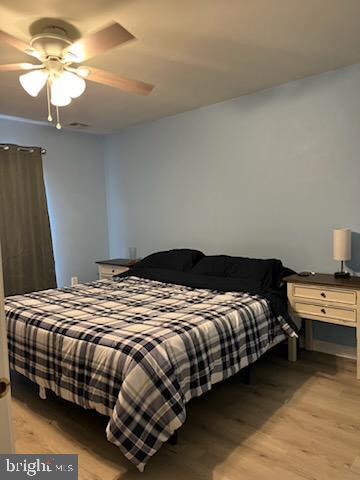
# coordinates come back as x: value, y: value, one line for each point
x: 126, y: 84
x: 13, y: 67
x: 13, y: 41
x: 98, y: 42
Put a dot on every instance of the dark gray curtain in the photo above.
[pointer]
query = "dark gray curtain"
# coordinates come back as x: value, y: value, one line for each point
x: 27, y: 253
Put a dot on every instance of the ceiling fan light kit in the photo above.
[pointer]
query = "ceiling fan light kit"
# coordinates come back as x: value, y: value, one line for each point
x: 57, y: 53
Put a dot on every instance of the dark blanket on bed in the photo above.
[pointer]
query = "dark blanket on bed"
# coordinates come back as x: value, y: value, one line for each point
x: 272, y: 289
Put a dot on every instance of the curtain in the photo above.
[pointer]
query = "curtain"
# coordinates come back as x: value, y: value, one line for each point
x: 25, y: 236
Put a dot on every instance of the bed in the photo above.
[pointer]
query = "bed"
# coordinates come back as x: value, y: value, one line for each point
x: 139, y: 347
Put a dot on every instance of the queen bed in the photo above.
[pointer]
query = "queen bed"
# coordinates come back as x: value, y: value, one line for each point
x: 138, y: 347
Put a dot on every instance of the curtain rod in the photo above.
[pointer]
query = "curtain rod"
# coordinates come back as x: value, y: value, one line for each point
x: 4, y: 146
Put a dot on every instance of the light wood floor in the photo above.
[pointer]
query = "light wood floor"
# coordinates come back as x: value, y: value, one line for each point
x: 296, y: 421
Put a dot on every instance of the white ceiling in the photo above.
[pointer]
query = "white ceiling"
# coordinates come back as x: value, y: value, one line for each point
x: 196, y: 52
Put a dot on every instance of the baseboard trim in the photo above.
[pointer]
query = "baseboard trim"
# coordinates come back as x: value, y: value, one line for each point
x: 334, y: 349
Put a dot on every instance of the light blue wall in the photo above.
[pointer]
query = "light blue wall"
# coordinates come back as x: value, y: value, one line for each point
x: 75, y: 185
x: 265, y: 175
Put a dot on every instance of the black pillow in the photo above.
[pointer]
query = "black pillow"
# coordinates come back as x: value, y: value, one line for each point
x: 178, y: 259
x: 214, y: 265
x: 266, y: 273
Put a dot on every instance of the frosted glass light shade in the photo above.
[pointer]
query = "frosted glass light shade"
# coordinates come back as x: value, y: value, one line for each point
x: 66, y: 87
x: 60, y: 100
x: 33, y: 82
x: 72, y: 84
x: 59, y: 96
x: 342, y: 244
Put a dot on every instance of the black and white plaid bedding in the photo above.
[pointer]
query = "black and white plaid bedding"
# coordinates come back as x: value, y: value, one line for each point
x: 136, y: 350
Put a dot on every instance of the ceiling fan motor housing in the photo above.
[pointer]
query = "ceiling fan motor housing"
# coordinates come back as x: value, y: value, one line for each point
x: 51, y: 42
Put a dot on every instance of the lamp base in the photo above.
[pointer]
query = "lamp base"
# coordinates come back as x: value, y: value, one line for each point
x: 341, y: 274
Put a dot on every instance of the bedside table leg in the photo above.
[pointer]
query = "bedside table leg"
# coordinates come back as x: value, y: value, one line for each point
x: 292, y: 349
x: 308, y: 335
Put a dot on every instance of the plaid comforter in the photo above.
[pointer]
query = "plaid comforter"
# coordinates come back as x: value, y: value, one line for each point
x: 136, y: 350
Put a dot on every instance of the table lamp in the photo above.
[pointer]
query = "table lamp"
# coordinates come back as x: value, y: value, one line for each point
x: 342, y: 249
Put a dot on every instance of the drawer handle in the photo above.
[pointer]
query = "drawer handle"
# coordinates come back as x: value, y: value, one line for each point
x: 323, y: 294
x: 323, y: 311
x: 113, y: 270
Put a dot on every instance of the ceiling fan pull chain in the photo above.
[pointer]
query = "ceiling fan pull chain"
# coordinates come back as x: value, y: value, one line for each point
x: 48, y: 102
x: 58, y: 124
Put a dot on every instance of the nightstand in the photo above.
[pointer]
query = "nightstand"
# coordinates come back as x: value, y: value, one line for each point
x: 109, y: 268
x: 327, y: 299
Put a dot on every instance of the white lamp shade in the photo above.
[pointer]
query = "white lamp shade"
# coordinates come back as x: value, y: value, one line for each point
x: 33, y: 82
x: 342, y: 244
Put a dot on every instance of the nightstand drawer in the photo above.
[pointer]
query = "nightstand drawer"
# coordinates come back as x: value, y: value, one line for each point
x: 108, y: 271
x: 326, y: 294
x: 328, y: 313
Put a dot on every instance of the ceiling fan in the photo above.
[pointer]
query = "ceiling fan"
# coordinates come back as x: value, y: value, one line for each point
x: 59, y: 68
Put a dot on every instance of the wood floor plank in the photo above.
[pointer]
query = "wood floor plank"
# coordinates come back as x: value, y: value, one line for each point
x: 297, y: 421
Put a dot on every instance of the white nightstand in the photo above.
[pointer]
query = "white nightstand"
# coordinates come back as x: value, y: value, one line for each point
x: 327, y: 299
x: 109, y: 268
